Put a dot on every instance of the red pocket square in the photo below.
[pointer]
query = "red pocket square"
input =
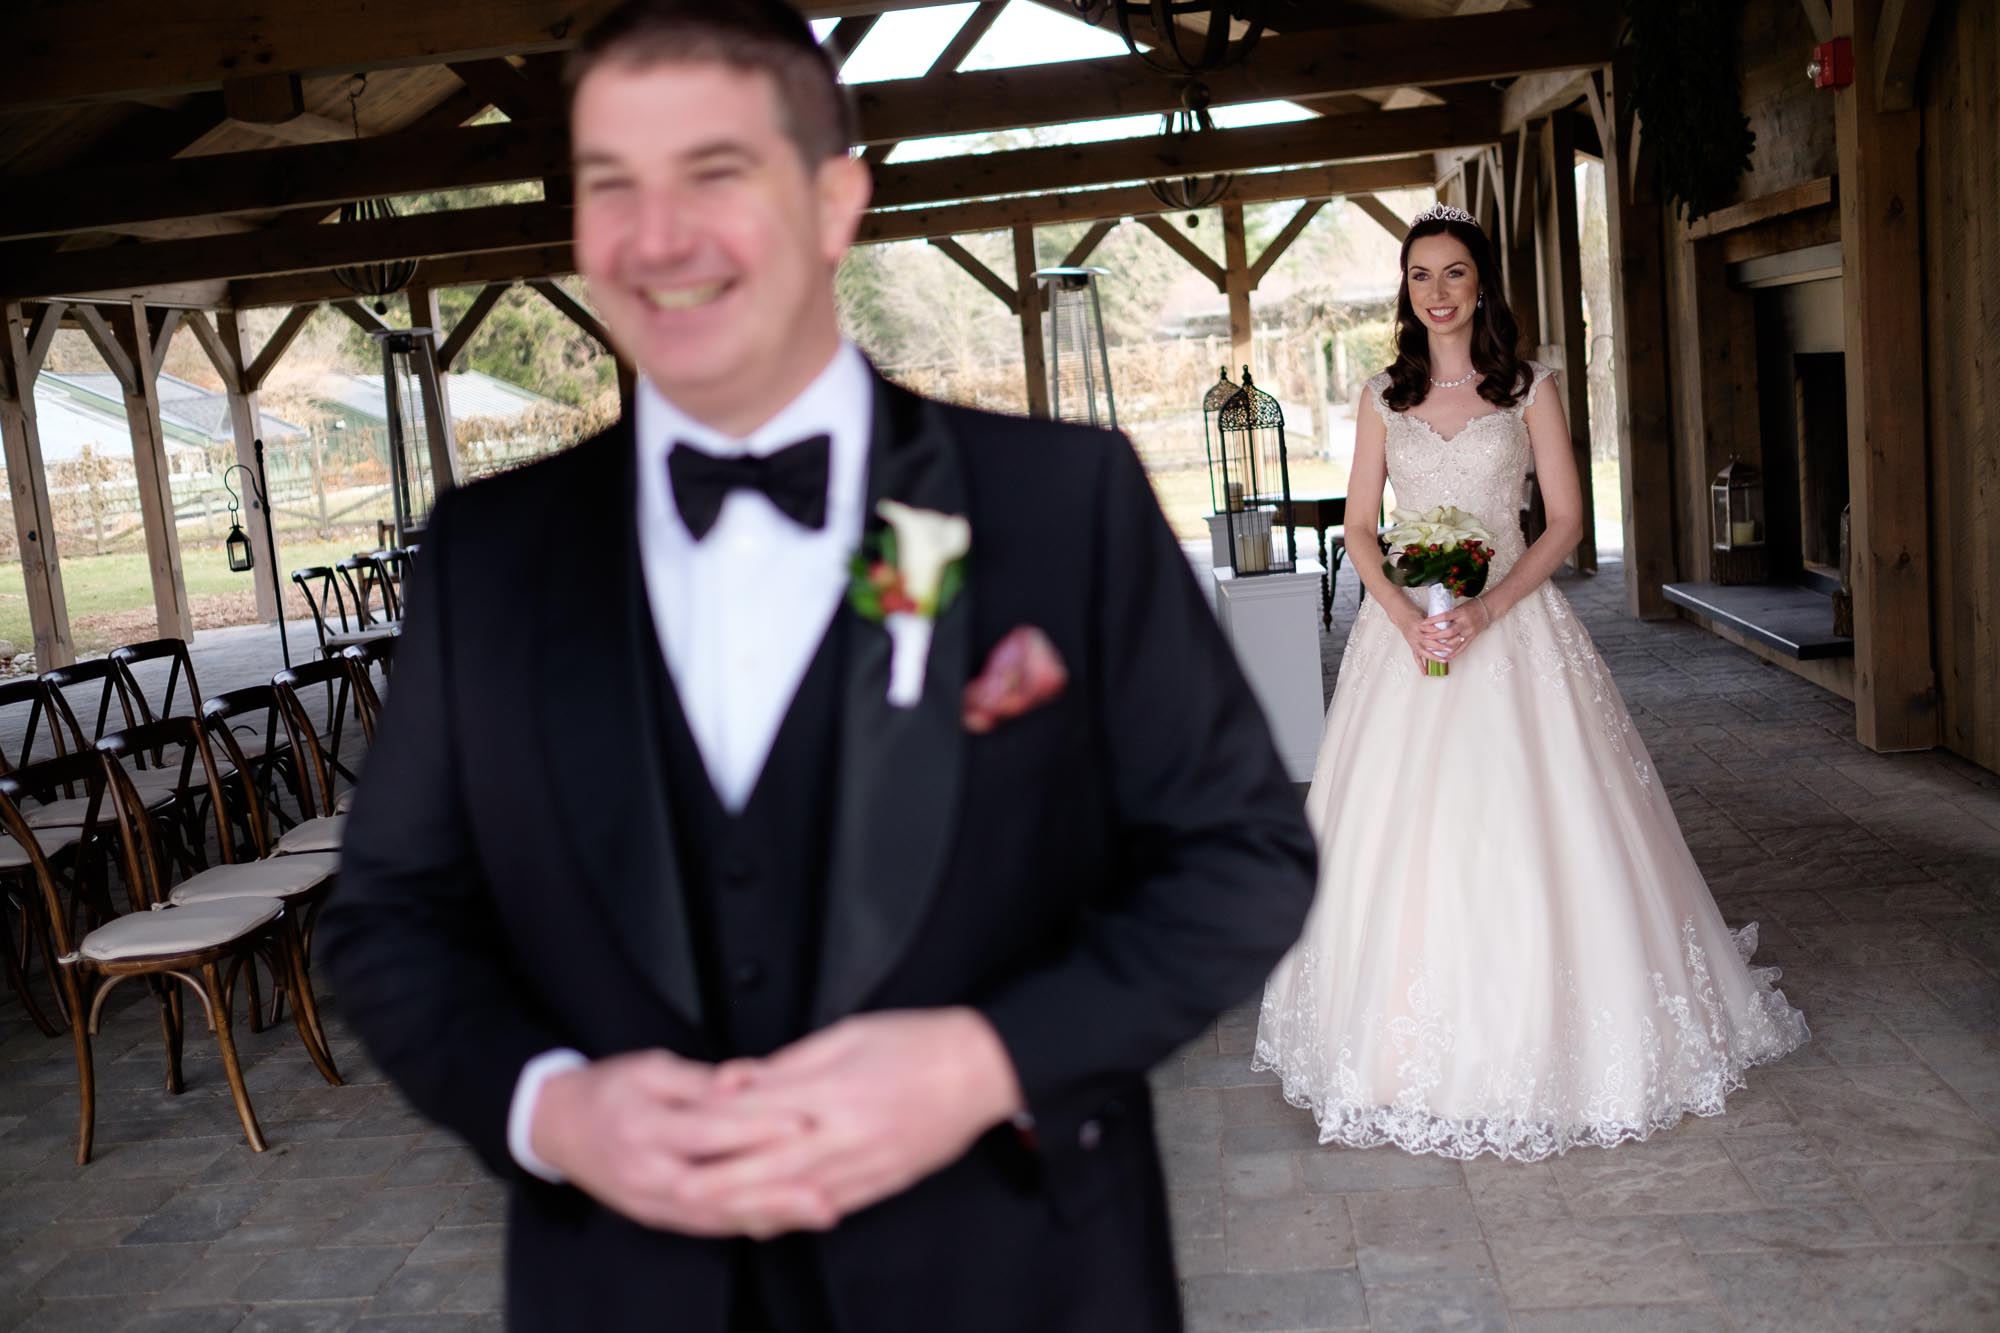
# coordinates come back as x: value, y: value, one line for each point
x: 1023, y: 672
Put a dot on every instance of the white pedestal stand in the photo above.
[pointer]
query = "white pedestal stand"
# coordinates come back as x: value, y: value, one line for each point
x: 1272, y: 621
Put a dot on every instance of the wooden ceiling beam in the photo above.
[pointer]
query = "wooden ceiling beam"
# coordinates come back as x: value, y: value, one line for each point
x: 509, y: 266
x: 1068, y: 166
x: 1377, y: 55
x: 64, y: 53
x: 1533, y: 96
x: 320, y: 175
x: 283, y: 250
x: 499, y: 83
x: 1137, y: 201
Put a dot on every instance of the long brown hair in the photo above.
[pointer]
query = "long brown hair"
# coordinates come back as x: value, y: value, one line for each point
x: 1494, y: 332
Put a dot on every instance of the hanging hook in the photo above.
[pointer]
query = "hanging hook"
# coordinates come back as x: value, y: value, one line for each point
x: 354, y: 102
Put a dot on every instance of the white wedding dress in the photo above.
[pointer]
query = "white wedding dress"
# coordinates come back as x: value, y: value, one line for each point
x: 1512, y: 951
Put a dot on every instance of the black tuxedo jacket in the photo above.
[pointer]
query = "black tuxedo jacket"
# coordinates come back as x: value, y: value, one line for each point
x: 1100, y: 877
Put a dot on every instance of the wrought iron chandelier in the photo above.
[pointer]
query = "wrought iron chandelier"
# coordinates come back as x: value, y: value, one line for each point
x: 1182, y: 44
x: 1186, y: 46
x: 375, y: 281
x: 1189, y: 193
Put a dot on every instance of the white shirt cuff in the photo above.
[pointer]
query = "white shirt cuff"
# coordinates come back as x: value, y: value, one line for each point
x: 521, y: 1111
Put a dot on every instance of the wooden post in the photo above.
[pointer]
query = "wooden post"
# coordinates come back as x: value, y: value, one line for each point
x: 432, y: 389
x: 1028, y: 297
x: 1237, y: 283
x: 1564, y: 346
x: 27, y: 481
x: 245, y: 418
x: 1881, y: 244
x: 1634, y: 222
x: 135, y: 336
x: 1518, y: 194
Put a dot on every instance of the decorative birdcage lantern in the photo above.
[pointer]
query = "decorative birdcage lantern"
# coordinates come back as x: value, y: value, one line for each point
x: 1079, y: 361
x: 1738, y: 523
x: 1256, y: 483
x: 1212, y: 402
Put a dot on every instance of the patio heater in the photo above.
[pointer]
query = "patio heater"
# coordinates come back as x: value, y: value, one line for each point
x: 1079, y: 361
x: 411, y: 400
x: 1251, y: 465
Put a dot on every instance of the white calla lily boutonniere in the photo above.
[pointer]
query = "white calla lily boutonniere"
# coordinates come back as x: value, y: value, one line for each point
x: 903, y: 578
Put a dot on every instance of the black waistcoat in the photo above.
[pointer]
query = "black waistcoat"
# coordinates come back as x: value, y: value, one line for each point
x: 756, y: 884
x: 755, y: 880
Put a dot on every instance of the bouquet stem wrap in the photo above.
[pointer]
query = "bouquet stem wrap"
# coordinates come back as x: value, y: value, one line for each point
x: 1437, y: 601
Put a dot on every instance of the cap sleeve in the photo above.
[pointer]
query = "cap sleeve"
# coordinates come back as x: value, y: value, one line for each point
x: 1375, y: 388
x: 1538, y: 372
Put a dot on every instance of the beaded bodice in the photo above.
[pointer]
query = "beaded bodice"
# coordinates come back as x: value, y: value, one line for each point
x: 1482, y: 469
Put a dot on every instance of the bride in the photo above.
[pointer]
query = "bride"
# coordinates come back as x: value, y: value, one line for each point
x: 1512, y: 951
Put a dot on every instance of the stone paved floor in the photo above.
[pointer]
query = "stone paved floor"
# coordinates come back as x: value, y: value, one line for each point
x: 1857, y: 1186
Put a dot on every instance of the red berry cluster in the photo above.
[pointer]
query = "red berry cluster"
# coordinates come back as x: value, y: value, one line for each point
x: 889, y: 581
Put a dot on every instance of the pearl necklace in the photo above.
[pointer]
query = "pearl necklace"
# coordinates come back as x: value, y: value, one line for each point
x: 1466, y: 378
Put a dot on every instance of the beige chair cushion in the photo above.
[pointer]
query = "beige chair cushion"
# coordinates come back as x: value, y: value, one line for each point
x: 278, y: 877
x: 178, y: 930
x: 68, y: 812
x: 343, y: 802
x: 13, y: 856
x: 157, y: 784
x: 315, y: 835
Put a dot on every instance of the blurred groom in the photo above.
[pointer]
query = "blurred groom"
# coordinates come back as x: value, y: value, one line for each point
x: 796, y: 945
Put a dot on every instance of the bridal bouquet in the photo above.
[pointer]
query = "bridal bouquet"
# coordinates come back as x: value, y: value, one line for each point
x: 1445, y: 550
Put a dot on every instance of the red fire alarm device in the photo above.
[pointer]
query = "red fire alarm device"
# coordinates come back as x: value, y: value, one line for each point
x: 1832, y: 64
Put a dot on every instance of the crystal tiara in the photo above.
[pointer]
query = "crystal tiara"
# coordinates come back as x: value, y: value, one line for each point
x: 1444, y: 213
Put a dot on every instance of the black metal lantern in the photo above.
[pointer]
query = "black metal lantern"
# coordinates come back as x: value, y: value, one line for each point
x: 1737, y: 524
x: 1250, y: 447
x: 237, y: 544
x: 243, y: 559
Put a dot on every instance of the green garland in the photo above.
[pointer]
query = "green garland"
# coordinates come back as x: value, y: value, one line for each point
x: 1688, y: 92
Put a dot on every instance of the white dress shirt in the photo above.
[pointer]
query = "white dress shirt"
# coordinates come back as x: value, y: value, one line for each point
x: 740, y: 613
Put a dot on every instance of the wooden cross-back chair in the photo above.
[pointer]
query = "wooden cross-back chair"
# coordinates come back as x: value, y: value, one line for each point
x: 317, y: 829
x: 62, y: 844
x: 99, y: 947
x: 367, y: 702
x: 318, y: 747
x: 300, y: 882
x: 330, y: 592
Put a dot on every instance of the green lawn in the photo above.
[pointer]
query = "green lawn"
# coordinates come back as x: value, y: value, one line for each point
x: 106, y: 593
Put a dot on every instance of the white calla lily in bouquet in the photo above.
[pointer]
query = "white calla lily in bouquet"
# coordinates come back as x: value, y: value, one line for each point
x: 1445, y: 550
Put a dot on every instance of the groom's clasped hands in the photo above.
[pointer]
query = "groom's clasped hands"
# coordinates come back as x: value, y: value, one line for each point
x: 790, y: 1142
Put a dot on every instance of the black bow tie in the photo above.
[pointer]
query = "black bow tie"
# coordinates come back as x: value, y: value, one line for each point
x: 793, y: 479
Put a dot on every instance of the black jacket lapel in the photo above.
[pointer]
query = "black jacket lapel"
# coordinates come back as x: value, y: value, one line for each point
x: 599, y: 726
x: 901, y: 771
